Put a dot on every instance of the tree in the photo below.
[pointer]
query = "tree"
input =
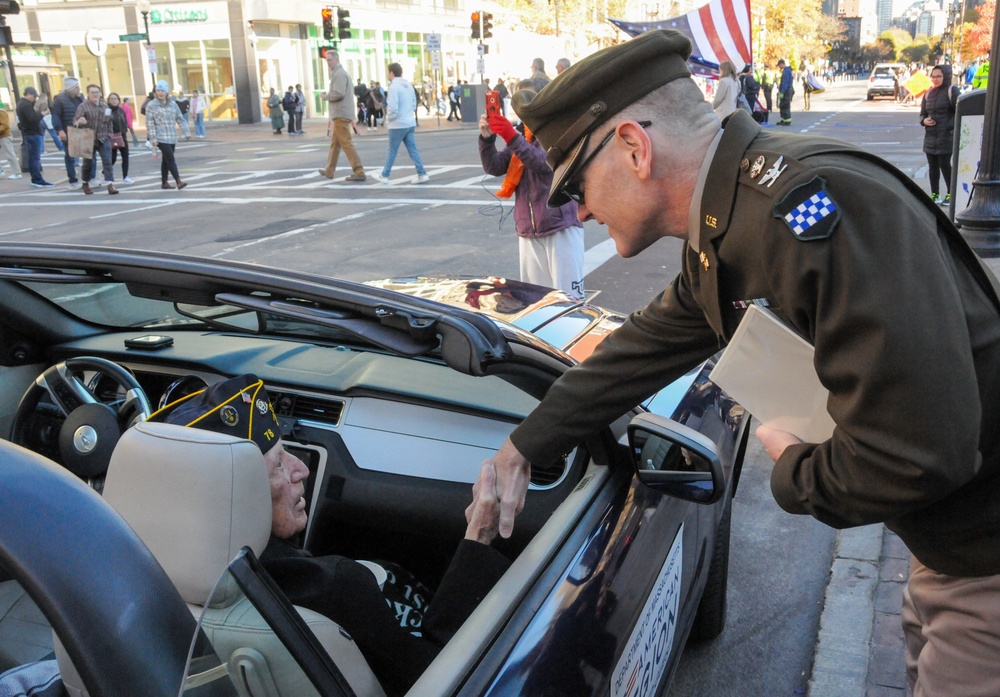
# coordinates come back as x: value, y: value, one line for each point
x: 898, y: 39
x: 917, y: 52
x: 976, y: 41
x: 794, y: 30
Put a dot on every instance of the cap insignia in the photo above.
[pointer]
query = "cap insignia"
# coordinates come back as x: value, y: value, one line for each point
x: 229, y: 415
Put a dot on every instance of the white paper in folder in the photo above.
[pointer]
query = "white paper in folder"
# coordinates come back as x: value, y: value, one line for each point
x: 768, y: 368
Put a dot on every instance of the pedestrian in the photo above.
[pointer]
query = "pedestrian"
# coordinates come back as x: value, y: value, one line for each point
x: 95, y: 114
x: 561, y: 65
x: 288, y: 104
x: 786, y: 91
x: 275, y: 110
x: 7, y: 150
x: 937, y: 116
x: 550, y: 241
x: 538, y: 74
x: 130, y: 119
x: 63, y: 110
x: 501, y: 89
x: 454, y: 102
x: 119, y: 135
x: 42, y: 107
x: 184, y: 104
x: 340, y: 97
x: 374, y: 106
x: 767, y: 84
x: 807, y: 88
x: 727, y: 91
x: 163, y: 116
x: 785, y: 221
x: 401, y: 124
x: 198, y: 106
x: 982, y: 77
x: 300, y: 108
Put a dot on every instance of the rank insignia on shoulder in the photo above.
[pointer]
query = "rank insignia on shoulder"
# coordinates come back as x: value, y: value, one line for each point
x: 809, y: 211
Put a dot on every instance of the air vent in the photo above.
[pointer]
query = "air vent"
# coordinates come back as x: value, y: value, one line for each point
x: 549, y: 474
x: 307, y: 407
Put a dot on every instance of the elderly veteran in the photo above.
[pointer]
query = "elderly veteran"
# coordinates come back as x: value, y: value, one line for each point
x: 797, y: 223
x: 336, y: 587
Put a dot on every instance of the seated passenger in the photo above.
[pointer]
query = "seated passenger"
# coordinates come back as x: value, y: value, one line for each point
x: 336, y: 587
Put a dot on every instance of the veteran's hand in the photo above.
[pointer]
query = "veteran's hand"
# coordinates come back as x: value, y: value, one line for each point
x: 775, y: 441
x: 512, y: 475
x: 483, y: 521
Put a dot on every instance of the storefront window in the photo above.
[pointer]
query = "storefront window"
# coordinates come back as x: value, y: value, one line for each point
x: 187, y: 58
x: 220, y: 88
x: 119, y: 73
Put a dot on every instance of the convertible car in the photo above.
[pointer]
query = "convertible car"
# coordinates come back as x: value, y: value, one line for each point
x: 392, y: 393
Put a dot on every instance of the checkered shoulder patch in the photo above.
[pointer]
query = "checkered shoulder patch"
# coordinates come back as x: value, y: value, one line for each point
x: 809, y: 211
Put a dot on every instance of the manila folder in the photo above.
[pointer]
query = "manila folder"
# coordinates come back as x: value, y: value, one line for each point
x: 769, y: 369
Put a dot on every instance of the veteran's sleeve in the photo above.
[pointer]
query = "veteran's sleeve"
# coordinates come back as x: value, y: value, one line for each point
x: 875, y: 290
x: 655, y: 346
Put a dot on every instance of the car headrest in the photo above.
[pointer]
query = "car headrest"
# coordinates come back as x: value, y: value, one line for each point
x: 194, y: 497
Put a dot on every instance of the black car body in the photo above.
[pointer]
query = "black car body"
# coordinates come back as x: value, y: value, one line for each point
x: 392, y: 399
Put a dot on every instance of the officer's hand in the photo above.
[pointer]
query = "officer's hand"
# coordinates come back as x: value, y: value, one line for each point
x: 775, y: 441
x: 483, y: 520
x: 512, y: 475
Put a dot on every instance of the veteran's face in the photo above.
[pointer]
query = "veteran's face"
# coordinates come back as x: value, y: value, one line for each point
x: 637, y: 190
x: 287, y: 475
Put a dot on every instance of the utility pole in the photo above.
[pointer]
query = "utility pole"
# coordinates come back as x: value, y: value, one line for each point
x: 9, y: 7
x: 980, y: 222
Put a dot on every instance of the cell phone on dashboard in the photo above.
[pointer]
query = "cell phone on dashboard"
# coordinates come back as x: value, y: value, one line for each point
x: 492, y: 103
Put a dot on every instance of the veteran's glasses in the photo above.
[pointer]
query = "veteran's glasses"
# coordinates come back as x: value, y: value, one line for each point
x: 572, y: 187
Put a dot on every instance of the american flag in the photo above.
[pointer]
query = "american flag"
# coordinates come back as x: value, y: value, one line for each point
x: 718, y: 31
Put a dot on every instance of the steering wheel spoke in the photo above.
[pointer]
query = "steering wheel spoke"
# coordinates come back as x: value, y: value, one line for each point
x: 90, y: 428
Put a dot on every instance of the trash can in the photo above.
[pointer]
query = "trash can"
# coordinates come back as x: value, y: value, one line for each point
x: 970, y: 108
x: 473, y: 102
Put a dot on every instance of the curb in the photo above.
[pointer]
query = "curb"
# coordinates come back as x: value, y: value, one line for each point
x: 843, y: 644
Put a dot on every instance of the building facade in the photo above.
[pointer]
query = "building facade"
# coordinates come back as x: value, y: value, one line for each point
x: 233, y: 51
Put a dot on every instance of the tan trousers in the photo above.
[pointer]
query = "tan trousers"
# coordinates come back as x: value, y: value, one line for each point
x: 8, y: 153
x: 341, y: 139
x: 952, y: 630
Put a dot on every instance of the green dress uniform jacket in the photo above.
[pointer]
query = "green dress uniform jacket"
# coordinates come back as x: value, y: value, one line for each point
x: 903, y: 318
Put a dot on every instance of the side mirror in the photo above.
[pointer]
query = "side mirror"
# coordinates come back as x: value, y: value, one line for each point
x: 675, y: 460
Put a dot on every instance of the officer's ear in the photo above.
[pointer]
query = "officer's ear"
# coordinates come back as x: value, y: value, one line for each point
x: 638, y: 147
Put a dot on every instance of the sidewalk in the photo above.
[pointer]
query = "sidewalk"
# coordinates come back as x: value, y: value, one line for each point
x: 315, y: 128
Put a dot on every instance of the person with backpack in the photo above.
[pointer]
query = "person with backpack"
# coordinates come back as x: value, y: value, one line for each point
x: 937, y: 116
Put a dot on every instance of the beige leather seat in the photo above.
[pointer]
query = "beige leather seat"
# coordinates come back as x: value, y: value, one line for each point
x: 196, y: 498
x: 25, y: 636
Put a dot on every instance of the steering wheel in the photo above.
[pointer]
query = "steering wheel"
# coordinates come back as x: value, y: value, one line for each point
x: 90, y: 429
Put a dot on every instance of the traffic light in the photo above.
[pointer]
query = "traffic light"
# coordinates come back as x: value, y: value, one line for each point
x: 343, y: 23
x: 487, y: 25
x: 476, y: 26
x: 328, y: 24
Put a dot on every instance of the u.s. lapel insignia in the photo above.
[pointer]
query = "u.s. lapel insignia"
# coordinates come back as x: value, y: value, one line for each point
x: 758, y: 167
x: 772, y: 174
x: 704, y: 260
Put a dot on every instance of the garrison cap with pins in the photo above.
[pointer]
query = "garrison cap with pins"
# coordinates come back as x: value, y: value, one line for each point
x: 571, y: 107
x: 237, y: 407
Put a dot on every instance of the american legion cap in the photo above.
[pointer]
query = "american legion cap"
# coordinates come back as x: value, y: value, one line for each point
x: 237, y: 407
x: 571, y: 107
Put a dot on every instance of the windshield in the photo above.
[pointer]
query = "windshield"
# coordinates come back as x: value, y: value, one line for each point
x: 109, y: 304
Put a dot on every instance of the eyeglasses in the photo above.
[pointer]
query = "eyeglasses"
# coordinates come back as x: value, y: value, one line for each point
x: 572, y: 188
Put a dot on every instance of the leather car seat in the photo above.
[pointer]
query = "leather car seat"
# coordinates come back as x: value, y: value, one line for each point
x: 196, y: 498
x: 25, y: 636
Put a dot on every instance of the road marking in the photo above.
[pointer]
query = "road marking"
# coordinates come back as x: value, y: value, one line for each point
x: 307, y: 228
x: 134, y: 210
x: 595, y: 257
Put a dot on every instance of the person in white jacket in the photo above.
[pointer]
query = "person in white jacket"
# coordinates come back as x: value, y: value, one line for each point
x: 401, y: 122
x: 727, y: 91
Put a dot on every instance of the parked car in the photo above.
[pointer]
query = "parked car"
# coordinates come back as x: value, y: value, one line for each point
x: 392, y: 393
x: 882, y: 81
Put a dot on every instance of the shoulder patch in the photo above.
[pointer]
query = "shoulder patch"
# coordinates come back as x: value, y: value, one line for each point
x: 808, y: 211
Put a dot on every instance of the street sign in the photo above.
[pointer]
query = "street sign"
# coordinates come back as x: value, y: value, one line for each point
x: 151, y: 57
x: 481, y: 49
x: 96, y: 43
x: 133, y: 37
x: 433, y: 42
x: 436, y: 60
x: 481, y: 66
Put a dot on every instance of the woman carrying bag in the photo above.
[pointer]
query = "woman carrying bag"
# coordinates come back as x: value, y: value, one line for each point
x: 119, y: 131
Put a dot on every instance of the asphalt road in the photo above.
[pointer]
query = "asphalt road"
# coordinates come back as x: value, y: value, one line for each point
x: 258, y: 197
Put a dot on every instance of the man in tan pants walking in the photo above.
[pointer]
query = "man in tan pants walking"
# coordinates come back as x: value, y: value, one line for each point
x: 341, y: 99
